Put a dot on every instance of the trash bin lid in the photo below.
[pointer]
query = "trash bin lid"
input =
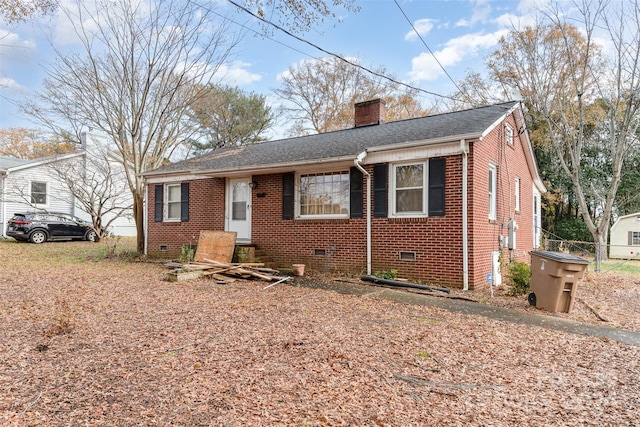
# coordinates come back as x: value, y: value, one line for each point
x: 560, y: 257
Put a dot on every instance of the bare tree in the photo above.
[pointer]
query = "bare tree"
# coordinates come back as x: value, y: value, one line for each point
x: 13, y: 11
x: 24, y: 143
x: 320, y: 95
x: 140, y: 69
x: 98, y: 184
x: 586, y: 100
x: 297, y: 16
x: 476, y: 90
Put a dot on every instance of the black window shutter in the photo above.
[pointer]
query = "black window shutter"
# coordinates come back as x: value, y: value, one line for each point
x: 355, y: 188
x: 288, y: 181
x: 159, y: 201
x: 184, y: 202
x: 437, y: 172
x: 380, y: 197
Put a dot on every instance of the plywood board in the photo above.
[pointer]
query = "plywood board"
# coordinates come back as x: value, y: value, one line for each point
x: 216, y: 245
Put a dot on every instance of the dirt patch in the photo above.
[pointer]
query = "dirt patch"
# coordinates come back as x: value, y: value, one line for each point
x: 101, y: 342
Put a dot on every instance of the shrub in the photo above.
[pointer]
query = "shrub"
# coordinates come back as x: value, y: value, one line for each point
x: 519, y: 276
x: 187, y: 253
x: 386, y: 274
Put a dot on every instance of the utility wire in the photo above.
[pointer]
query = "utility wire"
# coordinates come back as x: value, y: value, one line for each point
x: 425, y: 45
x: 336, y: 55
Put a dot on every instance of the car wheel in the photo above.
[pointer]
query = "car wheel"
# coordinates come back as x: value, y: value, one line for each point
x: 38, y: 236
x: 90, y: 236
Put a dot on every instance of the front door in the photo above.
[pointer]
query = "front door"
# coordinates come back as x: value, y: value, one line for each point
x: 238, y: 213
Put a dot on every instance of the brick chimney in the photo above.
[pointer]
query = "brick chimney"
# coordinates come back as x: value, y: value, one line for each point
x: 370, y: 112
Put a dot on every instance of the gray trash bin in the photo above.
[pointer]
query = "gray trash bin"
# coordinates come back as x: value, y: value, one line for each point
x: 554, y: 279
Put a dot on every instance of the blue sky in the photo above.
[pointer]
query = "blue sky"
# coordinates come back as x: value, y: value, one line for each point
x: 458, y: 32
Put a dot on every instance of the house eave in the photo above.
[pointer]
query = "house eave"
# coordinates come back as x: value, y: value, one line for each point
x: 420, y: 143
x: 253, y: 169
x: 43, y: 161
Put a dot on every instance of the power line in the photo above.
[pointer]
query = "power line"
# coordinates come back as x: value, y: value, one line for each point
x: 425, y: 45
x: 336, y: 55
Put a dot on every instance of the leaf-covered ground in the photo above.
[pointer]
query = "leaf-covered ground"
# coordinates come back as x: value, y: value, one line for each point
x: 90, y: 341
x: 609, y: 298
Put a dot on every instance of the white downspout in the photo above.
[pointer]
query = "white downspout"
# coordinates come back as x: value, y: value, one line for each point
x: 465, y: 220
x: 357, y: 164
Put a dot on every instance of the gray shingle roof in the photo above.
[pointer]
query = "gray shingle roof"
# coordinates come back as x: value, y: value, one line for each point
x: 344, y: 143
x: 10, y: 162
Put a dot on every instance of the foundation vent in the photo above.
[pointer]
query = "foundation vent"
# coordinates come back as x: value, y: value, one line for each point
x: 407, y: 256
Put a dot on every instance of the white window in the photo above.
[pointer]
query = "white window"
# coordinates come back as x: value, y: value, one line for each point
x: 508, y: 133
x: 516, y: 192
x: 537, y: 220
x: 172, y: 202
x: 408, y: 182
x: 635, y: 238
x: 324, y: 195
x: 493, y: 195
x: 38, y: 193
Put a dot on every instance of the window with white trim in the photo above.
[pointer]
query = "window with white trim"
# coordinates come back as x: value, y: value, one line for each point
x: 324, y: 195
x: 635, y: 238
x: 172, y: 201
x: 516, y: 192
x: 508, y: 133
x: 38, y: 193
x: 409, y: 183
x: 493, y: 195
x: 537, y: 219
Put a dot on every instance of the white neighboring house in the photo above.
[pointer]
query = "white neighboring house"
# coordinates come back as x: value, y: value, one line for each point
x: 28, y: 185
x: 625, y: 237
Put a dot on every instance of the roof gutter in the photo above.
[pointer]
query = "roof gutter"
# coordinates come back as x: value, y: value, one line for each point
x: 358, y: 163
x: 421, y: 143
x: 270, y: 168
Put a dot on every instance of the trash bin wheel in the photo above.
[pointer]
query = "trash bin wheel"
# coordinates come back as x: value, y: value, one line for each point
x: 532, y: 299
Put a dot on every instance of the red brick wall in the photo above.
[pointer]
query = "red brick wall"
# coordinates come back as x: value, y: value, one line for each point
x: 436, y: 241
x: 511, y: 163
x: 206, y: 212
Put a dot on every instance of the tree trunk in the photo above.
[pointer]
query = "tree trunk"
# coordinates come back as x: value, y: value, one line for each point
x: 138, y: 214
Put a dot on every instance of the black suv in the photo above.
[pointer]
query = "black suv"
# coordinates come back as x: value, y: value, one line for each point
x: 38, y: 227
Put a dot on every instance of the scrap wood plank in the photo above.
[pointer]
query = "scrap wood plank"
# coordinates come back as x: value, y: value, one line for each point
x: 242, y: 269
x: 223, y: 279
x: 216, y: 245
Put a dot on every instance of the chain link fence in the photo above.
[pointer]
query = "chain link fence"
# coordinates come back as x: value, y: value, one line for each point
x: 588, y: 250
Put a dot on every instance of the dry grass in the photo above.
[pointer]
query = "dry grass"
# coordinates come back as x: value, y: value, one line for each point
x: 91, y: 340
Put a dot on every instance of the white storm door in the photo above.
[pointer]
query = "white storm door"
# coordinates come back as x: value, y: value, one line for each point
x: 238, y: 213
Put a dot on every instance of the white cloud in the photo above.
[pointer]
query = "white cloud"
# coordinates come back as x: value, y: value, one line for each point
x: 422, y: 26
x: 236, y: 73
x: 457, y: 50
x: 480, y: 13
x: 9, y: 83
x: 13, y: 47
x: 17, y: 55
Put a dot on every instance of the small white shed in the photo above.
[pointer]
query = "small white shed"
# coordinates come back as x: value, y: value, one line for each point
x: 625, y: 237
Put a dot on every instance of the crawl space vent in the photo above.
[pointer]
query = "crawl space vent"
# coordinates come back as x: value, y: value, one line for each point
x: 407, y: 256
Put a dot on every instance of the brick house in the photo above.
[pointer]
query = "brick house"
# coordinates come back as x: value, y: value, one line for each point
x: 438, y: 198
